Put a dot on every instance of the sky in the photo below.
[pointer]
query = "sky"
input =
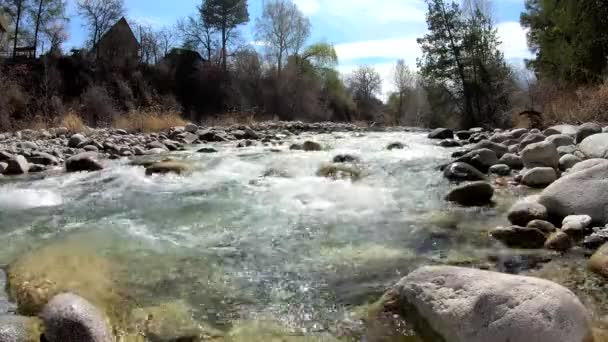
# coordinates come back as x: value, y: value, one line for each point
x: 375, y: 32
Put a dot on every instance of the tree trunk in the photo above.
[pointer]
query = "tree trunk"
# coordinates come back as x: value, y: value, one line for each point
x: 224, y: 42
x: 19, y: 5
x: 38, y: 18
x: 400, y: 112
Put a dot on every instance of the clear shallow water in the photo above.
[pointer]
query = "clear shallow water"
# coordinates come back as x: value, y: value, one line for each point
x: 235, y: 245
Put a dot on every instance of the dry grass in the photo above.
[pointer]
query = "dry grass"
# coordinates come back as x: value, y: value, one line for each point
x: 148, y: 121
x: 231, y: 119
x: 73, y: 122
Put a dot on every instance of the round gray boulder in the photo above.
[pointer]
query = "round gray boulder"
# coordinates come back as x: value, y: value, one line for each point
x: 560, y: 140
x: 458, y: 172
x: 86, y: 161
x: 526, y: 211
x: 539, y: 177
x: 587, y: 130
x: 542, y: 154
x: 561, y: 129
x: 472, y: 194
x: 500, y: 169
x: 70, y: 318
x: 595, y: 146
x: 466, y: 305
x: 512, y: 160
x: 568, y: 161
x: 481, y: 159
x: 441, y: 133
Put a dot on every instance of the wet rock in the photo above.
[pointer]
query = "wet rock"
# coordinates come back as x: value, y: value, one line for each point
x: 395, y: 146
x: 449, y: 143
x: 3, y: 167
x: 311, y: 146
x: 464, y: 135
x: 482, y: 159
x: 568, y: 161
x: 245, y: 143
x: 207, y: 150
x: 561, y: 129
x: 596, y: 239
x: 519, y: 237
x: 157, y: 145
x: 139, y: 151
x: 441, y: 133
x: 499, y: 149
x: 171, y: 145
x: 76, y: 140
x: 511, y: 160
x: 467, y: 305
x: 575, y: 225
x: 472, y: 194
x: 599, y: 261
x: 339, y: 171
x: 586, y: 130
x: 5, y: 304
x: 559, y: 241
x: 43, y: 159
x: 500, y: 169
x: 86, y: 161
x: 191, y: 128
x: 19, y: 329
x: 595, y: 146
x: 539, y: 177
x: 121, y: 132
x: 527, y: 210
x: 4, y: 156
x: 211, y: 136
x: 560, y: 140
x: 35, y: 168
x: 91, y: 148
x: 70, y: 318
x: 542, y: 154
x: 17, y: 165
x: 579, y: 193
x: 543, y: 226
x: 165, y: 167
x: 458, y: 172
x: 346, y: 158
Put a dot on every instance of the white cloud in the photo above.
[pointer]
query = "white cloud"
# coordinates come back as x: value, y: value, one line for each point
x: 383, y: 10
x: 513, y: 37
x: 394, y: 48
x: 308, y: 7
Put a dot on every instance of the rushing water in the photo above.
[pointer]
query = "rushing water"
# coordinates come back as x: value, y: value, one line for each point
x: 253, y: 233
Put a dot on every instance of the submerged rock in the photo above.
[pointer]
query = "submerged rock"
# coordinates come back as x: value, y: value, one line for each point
x: 462, y: 172
x: 340, y: 171
x: 70, y: 318
x: 441, y: 133
x: 395, y: 146
x: 207, y: 150
x: 345, y: 158
x: 519, y: 237
x: 19, y: 329
x: 86, y: 161
x: 311, y: 146
x: 467, y: 305
x: 165, y: 167
x: 472, y: 194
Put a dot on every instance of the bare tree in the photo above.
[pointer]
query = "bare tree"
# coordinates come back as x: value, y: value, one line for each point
x: 99, y: 16
x: 404, y: 80
x: 365, y: 82
x: 198, y: 35
x: 47, y: 13
x: 283, y: 29
x: 56, y: 34
x: 167, y: 38
x: 17, y: 10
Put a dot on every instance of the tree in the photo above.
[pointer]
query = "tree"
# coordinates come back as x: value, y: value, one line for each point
x: 99, y: 16
x: 403, y: 80
x: 224, y: 16
x: 56, y: 34
x: 16, y: 9
x: 197, y: 34
x: 166, y: 38
x: 48, y: 16
x: 283, y: 29
x: 365, y: 84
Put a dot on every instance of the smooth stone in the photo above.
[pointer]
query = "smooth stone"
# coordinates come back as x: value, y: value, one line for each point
x: 587, y: 164
x: 441, y: 133
x: 511, y: 160
x: 472, y: 194
x: 449, y: 143
x: 560, y: 140
x: 559, y: 241
x: 500, y: 169
x: 467, y: 305
x: 526, y: 211
x: 568, y: 161
x: 519, y: 237
x: 70, y: 318
x: 539, y: 177
x: 19, y: 329
x: 76, y: 140
x: 586, y: 130
x: 395, y: 146
x: 599, y: 261
x: 481, y: 159
x: 595, y: 146
x: 207, y: 150
x: 43, y: 159
x: 85, y: 161
x: 3, y: 167
x: 543, y: 226
x: 191, y: 128
x: 542, y: 154
x: 561, y: 129
x: 165, y: 167
x: 499, y: 149
x: 563, y: 150
x: 157, y: 145
x: 345, y: 158
x: 530, y: 139
x: 311, y: 146
x: 17, y: 165
x: 462, y: 172
x: 575, y: 225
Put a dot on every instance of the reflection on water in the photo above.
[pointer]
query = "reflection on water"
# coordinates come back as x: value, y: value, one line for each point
x: 256, y: 236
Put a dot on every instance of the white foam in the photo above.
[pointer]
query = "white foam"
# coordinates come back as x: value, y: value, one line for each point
x: 19, y: 199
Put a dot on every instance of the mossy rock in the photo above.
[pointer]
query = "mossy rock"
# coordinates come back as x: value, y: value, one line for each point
x: 171, y: 321
x: 338, y: 171
x: 165, y: 167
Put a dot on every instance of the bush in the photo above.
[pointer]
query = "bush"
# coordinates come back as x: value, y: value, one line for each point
x: 97, y: 107
x: 73, y: 123
x: 148, y: 121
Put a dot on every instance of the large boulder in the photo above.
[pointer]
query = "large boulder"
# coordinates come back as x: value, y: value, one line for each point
x: 17, y: 165
x: 458, y: 172
x: 76, y: 140
x: 595, y: 146
x: 512, y: 160
x: 86, y: 161
x: 587, y: 130
x: 542, y: 154
x: 472, y: 194
x: 19, y: 329
x: 466, y: 305
x: 526, y: 211
x: 561, y: 129
x: 599, y: 261
x: 539, y: 177
x: 70, y: 318
x: 579, y: 193
x: 441, y: 133
x: 519, y: 237
x: 481, y: 159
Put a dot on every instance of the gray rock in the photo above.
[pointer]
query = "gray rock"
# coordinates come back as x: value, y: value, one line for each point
x: 563, y: 150
x: 85, y: 161
x: 191, y: 128
x: 472, y: 194
x: 207, y: 150
x: 43, y: 158
x: 17, y: 165
x: 76, y: 140
x: 157, y: 145
x: 3, y: 167
x: 70, y: 318
x: 499, y: 149
x: 559, y: 241
x: 19, y: 329
x: 539, y: 177
x: 531, y: 138
x: 575, y: 225
x: 466, y: 305
x: 568, y: 161
x: 449, y: 143
x: 542, y: 154
x: 211, y: 136
x: 121, y: 132
x: 441, y: 133
x: 346, y: 158
x: 543, y: 226
x: 526, y: 211
x: 519, y: 237
x: 586, y: 130
x: 579, y: 193
x: 596, y: 239
x: 595, y: 146
x: 458, y: 172
x: 561, y: 129
x: 464, y: 135
x: 395, y: 146
x: 91, y: 148
x: 511, y: 160
x: 560, y: 140
x: 139, y: 151
x: 500, y: 169
x: 481, y: 159
x: 28, y: 145
x: 4, y: 156
x: 311, y: 146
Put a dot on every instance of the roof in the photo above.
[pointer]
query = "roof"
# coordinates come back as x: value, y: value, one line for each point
x: 121, y: 22
x: 4, y: 26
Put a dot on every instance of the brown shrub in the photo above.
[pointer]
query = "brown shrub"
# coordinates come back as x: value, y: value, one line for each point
x: 230, y: 119
x: 148, y: 121
x: 97, y: 107
x: 73, y: 122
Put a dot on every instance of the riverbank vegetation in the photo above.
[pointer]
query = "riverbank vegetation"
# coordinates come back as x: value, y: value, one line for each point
x: 203, y: 69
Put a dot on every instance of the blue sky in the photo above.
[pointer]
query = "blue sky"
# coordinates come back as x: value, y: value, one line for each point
x: 374, y: 32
